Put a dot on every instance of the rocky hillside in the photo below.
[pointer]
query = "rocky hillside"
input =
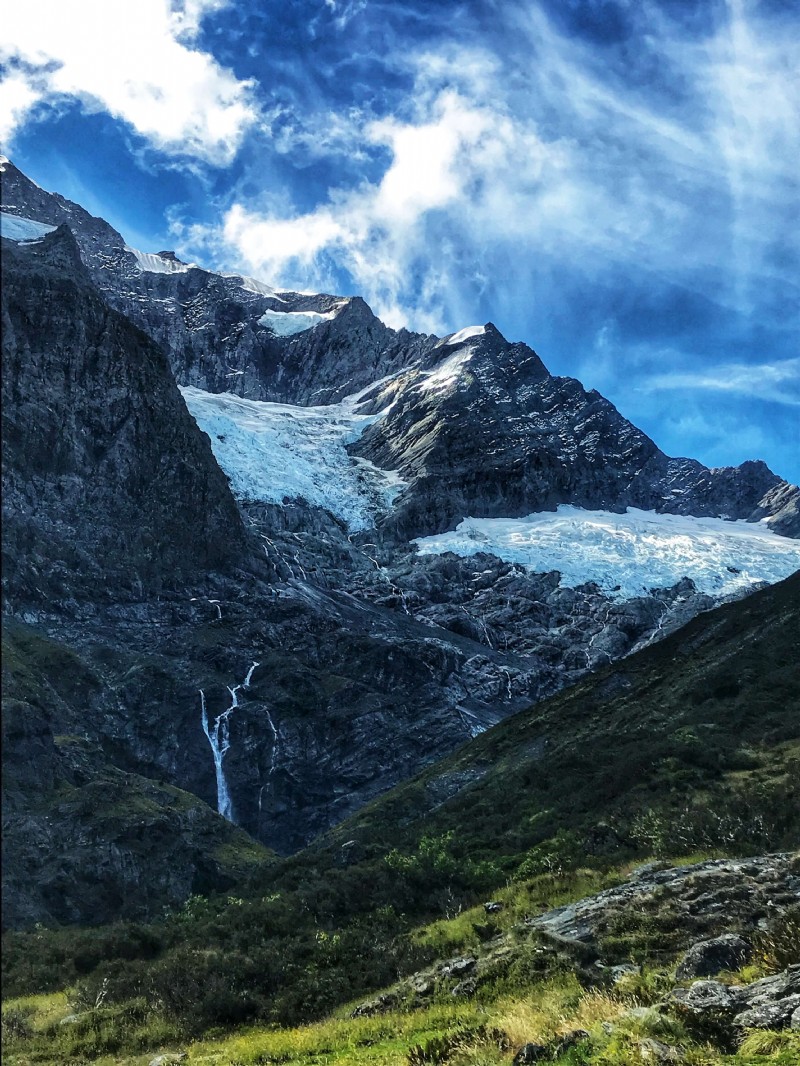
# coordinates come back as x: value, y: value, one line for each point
x: 213, y: 494
x: 497, y: 905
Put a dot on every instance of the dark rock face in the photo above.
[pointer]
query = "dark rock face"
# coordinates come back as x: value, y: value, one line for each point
x: 208, y: 324
x: 507, y: 440
x: 108, y: 484
x: 125, y: 549
x: 502, y: 438
x: 709, y: 957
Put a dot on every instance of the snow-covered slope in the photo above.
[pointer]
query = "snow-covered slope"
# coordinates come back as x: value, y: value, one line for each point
x: 274, y: 451
x: 159, y: 264
x: 287, y: 323
x: 627, y: 554
x: 16, y: 228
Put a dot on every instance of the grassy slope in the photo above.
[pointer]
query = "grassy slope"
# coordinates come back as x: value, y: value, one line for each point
x: 701, y: 731
x: 713, y: 711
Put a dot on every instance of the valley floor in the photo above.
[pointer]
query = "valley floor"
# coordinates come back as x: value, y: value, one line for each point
x: 530, y: 999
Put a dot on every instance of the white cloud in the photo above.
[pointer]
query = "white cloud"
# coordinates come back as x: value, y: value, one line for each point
x: 549, y: 161
x: 454, y: 156
x: 132, y: 58
x: 777, y: 382
x: 18, y: 95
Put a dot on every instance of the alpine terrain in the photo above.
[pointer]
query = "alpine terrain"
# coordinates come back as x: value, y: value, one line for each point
x: 337, y: 657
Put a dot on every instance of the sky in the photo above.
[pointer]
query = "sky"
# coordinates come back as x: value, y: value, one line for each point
x: 614, y: 182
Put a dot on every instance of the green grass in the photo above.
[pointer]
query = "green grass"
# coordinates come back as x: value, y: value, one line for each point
x: 645, y: 758
x: 473, y: 1033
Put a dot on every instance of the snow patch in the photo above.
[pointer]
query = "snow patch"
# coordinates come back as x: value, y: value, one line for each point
x: 274, y: 451
x: 3, y: 161
x: 629, y: 554
x: 463, y: 335
x: 16, y: 228
x: 260, y: 288
x: 447, y: 372
x: 287, y: 323
x: 156, y: 264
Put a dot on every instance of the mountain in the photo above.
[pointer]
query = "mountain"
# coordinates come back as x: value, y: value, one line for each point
x: 294, y: 556
x: 460, y: 888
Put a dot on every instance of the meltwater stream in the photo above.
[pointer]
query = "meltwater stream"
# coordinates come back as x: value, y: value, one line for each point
x: 219, y: 737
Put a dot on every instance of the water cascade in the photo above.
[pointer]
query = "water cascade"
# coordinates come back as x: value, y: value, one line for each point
x: 219, y: 737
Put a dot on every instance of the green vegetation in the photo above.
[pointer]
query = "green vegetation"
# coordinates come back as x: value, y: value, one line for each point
x: 482, y: 1031
x: 655, y: 756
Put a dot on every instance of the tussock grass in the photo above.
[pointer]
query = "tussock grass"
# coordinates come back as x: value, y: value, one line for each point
x: 385, y: 1040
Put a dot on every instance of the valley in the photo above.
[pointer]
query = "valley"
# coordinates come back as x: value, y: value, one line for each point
x: 321, y: 639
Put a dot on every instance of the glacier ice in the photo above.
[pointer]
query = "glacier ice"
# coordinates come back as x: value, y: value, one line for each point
x: 15, y: 228
x: 156, y: 264
x: 287, y: 323
x: 275, y: 451
x: 629, y: 554
x: 465, y: 334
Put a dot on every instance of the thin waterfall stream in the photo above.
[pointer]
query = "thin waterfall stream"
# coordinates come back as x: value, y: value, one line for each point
x: 219, y: 738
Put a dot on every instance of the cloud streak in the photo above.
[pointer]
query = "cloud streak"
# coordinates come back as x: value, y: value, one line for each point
x: 774, y: 382
x: 576, y: 166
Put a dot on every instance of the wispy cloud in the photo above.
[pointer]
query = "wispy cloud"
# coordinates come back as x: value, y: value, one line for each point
x: 775, y: 382
x: 136, y: 60
x: 528, y: 146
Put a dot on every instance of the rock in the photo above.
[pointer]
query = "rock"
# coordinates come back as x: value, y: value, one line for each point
x: 794, y: 1021
x: 379, y: 1005
x: 619, y: 973
x: 709, y: 957
x: 530, y: 1053
x: 170, y: 1059
x: 568, y: 1040
x: 459, y: 966
x: 465, y: 988
x: 493, y: 907
x: 706, y: 898
x: 722, y: 1010
x: 777, y: 1015
x: 655, y: 1051
x: 707, y: 995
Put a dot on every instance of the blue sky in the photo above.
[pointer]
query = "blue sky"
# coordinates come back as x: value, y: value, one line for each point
x: 613, y: 181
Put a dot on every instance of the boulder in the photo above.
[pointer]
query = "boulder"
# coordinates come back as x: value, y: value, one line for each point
x: 459, y: 966
x: 707, y: 997
x: 530, y: 1053
x: 776, y: 1015
x: 655, y: 1051
x: 709, y: 957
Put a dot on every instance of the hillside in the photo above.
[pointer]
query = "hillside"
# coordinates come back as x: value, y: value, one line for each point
x: 689, y: 745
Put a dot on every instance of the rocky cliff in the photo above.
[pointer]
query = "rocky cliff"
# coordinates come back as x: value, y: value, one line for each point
x: 258, y: 652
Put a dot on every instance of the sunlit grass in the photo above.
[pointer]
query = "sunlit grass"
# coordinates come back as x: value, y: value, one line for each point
x: 383, y: 1040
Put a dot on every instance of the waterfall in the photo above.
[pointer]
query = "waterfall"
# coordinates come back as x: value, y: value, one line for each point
x: 219, y: 737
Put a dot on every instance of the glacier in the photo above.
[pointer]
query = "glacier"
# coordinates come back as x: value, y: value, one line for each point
x: 629, y: 554
x: 274, y: 451
x: 287, y: 323
x: 16, y: 228
x: 462, y: 335
x: 156, y: 264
